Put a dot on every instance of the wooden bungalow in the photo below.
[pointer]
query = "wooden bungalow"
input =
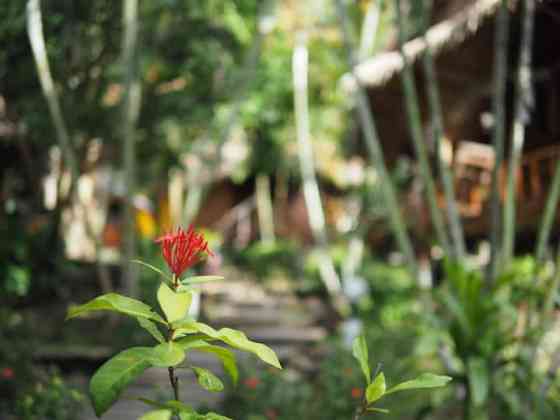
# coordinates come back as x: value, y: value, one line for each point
x: 461, y: 39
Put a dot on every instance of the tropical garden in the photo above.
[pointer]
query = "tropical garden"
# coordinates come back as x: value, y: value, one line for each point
x: 278, y: 209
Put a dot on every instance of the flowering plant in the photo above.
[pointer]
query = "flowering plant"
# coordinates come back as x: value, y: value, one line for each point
x: 181, y: 250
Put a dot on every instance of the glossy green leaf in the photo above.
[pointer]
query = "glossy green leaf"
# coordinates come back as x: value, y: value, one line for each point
x: 151, y: 267
x: 113, y: 376
x: 378, y: 410
x: 376, y: 389
x: 478, y: 380
x: 208, y: 380
x: 426, y: 380
x: 116, y: 303
x: 360, y: 352
x: 167, y: 354
x: 151, y: 328
x: 235, y: 339
x: 200, y: 279
x: 174, y: 305
x: 226, y: 356
x: 208, y: 416
x: 174, y: 405
x: 157, y: 415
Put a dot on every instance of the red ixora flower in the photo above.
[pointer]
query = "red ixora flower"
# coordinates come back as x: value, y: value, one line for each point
x: 7, y: 373
x: 181, y: 250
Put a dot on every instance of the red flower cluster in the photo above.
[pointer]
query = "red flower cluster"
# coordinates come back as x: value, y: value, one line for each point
x: 7, y: 373
x: 181, y: 250
x: 251, y: 382
x: 357, y: 393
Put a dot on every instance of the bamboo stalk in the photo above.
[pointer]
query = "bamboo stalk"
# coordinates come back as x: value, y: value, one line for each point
x: 369, y: 29
x: 371, y: 137
x: 305, y: 154
x: 500, y: 78
x: 415, y: 126
x: 131, y: 110
x: 37, y: 41
x: 264, y: 209
x: 548, y: 216
x: 430, y: 77
x: 523, y: 104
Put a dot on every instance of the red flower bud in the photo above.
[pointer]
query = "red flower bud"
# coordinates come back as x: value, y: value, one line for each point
x: 252, y: 382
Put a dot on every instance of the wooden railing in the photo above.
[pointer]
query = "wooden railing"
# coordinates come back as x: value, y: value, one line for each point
x: 473, y: 177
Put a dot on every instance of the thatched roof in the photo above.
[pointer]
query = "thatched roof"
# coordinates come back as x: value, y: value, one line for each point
x: 442, y: 36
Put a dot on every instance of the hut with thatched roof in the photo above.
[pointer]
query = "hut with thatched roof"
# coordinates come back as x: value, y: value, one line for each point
x: 461, y: 38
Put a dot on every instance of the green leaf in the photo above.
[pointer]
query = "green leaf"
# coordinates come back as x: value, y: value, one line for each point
x: 208, y: 380
x: 478, y: 380
x: 151, y: 267
x: 196, y: 416
x: 235, y: 339
x: 200, y: 279
x: 174, y: 305
x: 117, y: 303
x: 174, y: 405
x: 376, y: 389
x: 360, y: 352
x: 157, y: 415
x: 113, y: 376
x: 167, y: 354
x: 426, y: 380
x: 226, y: 356
x: 378, y: 410
x: 151, y: 328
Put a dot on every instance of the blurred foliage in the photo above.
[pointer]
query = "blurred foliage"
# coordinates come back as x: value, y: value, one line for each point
x: 50, y: 399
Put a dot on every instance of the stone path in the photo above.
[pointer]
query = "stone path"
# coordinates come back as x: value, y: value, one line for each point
x: 279, y: 319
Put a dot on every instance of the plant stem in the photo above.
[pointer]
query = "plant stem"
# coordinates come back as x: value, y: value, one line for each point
x: 174, y: 382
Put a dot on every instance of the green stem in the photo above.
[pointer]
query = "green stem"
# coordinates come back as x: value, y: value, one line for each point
x: 454, y: 219
x: 523, y: 105
x: 373, y: 145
